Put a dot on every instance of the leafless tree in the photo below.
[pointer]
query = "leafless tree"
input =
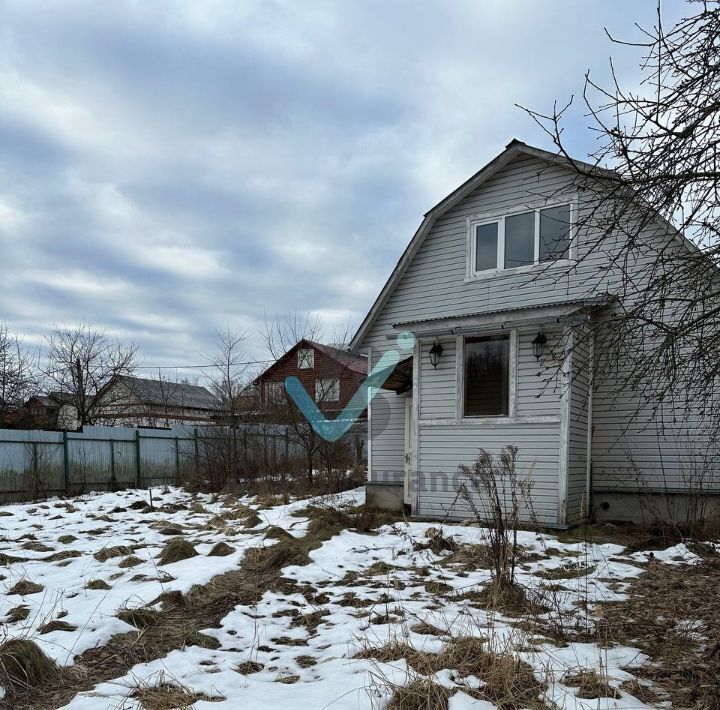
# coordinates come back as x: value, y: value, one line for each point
x: 228, y: 375
x: 651, y: 206
x: 281, y: 333
x: 83, y: 364
x: 18, y: 373
x: 284, y: 330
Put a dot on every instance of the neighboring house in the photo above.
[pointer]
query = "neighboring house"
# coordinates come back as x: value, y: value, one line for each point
x: 331, y: 376
x: 137, y: 401
x: 52, y: 411
x: 132, y: 401
x: 494, y: 283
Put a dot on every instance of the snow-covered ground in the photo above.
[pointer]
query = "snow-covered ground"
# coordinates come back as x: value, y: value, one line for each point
x: 369, y: 589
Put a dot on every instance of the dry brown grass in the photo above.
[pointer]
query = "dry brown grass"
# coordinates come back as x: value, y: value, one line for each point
x: 130, y: 561
x: 221, y: 549
x: 97, y: 584
x: 169, y: 696
x: 420, y: 694
x: 25, y: 587
x: 589, y: 684
x: 109, y: 552
x: 275, y: 557
x: 508, y: 681
x: 23, y: 666
x: 140, y: 618
x: 57, y: 625
x: 62, y: 555
x: 176, y: 549
x: 249, y: 667
x: 18, y: 613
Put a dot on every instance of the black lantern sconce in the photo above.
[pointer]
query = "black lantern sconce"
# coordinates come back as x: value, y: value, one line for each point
x: 435, y: 353
x: 538, y: 345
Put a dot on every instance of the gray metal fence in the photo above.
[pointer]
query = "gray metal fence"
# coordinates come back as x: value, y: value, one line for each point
x: 38, y: 464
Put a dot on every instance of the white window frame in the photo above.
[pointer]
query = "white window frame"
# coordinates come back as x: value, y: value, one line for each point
x: 326, y: 386
x: 306, y: 355
x: 512, y: 377
x: 479, y: 220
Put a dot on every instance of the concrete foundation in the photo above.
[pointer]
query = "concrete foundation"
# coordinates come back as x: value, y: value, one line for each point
x: 384, y: 496
x: 646, y: 506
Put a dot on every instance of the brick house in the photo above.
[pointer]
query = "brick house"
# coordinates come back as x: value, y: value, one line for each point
x: 330, y: 375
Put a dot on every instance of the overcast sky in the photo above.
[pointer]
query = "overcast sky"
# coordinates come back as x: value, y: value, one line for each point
x: 170, y: 168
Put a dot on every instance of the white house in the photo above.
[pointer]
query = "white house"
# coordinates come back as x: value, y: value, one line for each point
x: 494, y: 282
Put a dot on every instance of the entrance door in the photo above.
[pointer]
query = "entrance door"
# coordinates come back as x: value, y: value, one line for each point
x: 408, y: 448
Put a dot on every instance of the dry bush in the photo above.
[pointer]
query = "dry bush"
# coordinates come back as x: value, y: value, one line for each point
x: 176, y: 549
x: 23, y: 666
x: 494, y: 492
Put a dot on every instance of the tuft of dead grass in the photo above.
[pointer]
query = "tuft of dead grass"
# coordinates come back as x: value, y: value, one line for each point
x: 176, y: 549
x: 18, y: 613
x: 249, y: 667
x: 195, y: 638
x: 62, y: 555
x: 57, y: 625
x: 508, y: 681
x: 25, y: 587
x: 420, y: 694
x: 170, y: 696
x: 97, y: 584
x: 589, y: 684
x: 130, y: 561
x: 140, y: 618
x: 23, y: 666
x: 275, y: 557
x: 66, y: 539
x: 108, y: 553
x: 221, y: 549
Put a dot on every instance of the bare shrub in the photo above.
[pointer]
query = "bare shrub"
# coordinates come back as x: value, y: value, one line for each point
x: 494, y: 492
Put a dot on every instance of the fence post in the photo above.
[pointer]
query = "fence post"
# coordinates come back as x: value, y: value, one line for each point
x: 197, y: 451
x: 66, y: 462
x: 138, y: 460
x: 113, y: 481
x: 177, y: 460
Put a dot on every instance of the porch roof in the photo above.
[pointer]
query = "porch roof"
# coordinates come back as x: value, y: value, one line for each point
x: 556, y: 311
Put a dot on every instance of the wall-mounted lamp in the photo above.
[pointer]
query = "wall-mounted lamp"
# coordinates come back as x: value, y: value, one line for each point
x: 435, y: 353
x: 538, y: 345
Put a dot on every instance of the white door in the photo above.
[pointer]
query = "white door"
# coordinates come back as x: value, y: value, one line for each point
x: 408, y: 447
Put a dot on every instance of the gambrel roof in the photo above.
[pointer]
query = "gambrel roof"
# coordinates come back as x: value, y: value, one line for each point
x: 513, y: 150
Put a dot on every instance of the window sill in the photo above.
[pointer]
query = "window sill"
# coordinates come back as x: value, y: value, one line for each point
x: 489, y: 421
x: 530, y: 269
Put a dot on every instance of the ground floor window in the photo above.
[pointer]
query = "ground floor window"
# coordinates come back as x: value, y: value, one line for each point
x: 487, y: 376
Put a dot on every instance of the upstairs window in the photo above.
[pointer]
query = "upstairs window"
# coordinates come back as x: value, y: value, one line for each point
x: 327, y: 390
x: 274, y: 392
x: 487, y: 376
x: 522, y: 239
x: 306, y: 359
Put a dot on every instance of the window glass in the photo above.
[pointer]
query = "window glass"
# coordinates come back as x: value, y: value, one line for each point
x: 306, y: 359
x: 487, y: 376
x: 520, y: 240
x: 327, y: 390
x: 486, y: 236
x: 554, y: 233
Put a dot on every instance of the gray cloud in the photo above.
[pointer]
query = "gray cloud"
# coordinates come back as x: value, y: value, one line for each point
x: 170, y: 168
